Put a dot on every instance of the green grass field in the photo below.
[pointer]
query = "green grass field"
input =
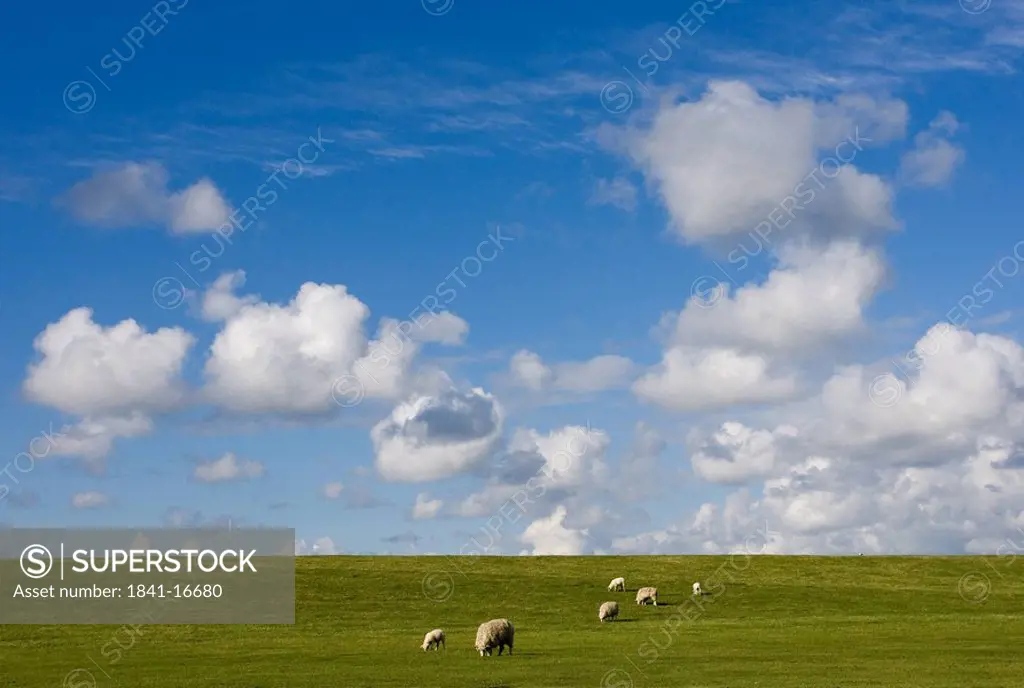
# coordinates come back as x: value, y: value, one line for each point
x: 772, y: 621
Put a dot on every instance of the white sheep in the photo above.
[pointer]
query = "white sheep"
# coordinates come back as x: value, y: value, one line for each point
x: 434, y: 639
x: 645, y: 595
x: 697, y: 590
x: 608, y: 610
x: 617, y: 584
x: 496, y: 633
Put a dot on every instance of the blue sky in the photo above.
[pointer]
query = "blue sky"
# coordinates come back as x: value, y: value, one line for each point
x: 625, y: 152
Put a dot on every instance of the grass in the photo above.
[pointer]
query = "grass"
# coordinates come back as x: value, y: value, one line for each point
x: 772, y: 621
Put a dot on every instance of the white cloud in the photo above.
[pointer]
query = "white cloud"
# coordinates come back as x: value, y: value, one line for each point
x: 813, y: 297
x: 550, y: 536
x: 433, y: 437
x: 92, y: 439
x: 290, y: 359
x: 89, y: 370
x: 220, y: 302
x: 736, y: 453
x: 89, y: 500
x: 135, y: 194
x: 114, y: 378
x: 227, y: 468
x: 529, y: 371
x: 333, y: 490
x: 198, y: 208
x: 723, y: 163
x: 597, y: 374
x: 279, y: 359
x: 689, y: 379
x: 934, y: 158
x: 425, y: 507
x: 444, y: 328
x: 874, y: 464
x: 618, y: 192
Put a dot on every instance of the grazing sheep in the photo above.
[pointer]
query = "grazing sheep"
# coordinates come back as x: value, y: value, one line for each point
x: 496, y: 633
x: 697, y: 590
x: 617, y: 584
x: 643, y: 595
x: 609, y: 610
x: 434, y: 639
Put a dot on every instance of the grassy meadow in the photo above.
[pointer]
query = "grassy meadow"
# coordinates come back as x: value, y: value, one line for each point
x: 770, y: 621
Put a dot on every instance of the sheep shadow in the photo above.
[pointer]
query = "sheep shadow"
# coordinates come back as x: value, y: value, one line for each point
x: 618, y: 621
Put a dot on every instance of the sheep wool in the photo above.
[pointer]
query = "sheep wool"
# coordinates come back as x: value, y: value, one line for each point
x: 644, y: 595
x: 618, y: 584
x: 609, y: 610
x: 496, y: 633
x: 433, y: 639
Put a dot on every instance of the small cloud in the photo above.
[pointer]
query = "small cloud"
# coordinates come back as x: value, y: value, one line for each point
x: 934, y: 159
x: 426, y: 508
x: 89, y: 500
x: 137, y: 194
x: 227, y: 468
x: 333, y: 490
x: 618, y: 192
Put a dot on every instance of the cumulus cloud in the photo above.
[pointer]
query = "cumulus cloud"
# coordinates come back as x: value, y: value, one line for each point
x: 137, y: 194
x: 433, y: 437
x: 271, y: 358
x: 311, y: 354
x: 723, y: 163
x: 597, y: 374
x: 227, y: 468
x: 550, y: 536
x: 693, y: 379
x: 737, y: 454
x: 934, y: 157
x: 220, y: 302
x: 425, y: 507
x: 814, y: 296
x: 92, y: 439
x: 89, y: 500
x: 114, y: 378
x: 88, y: 370
x: 929, y: 463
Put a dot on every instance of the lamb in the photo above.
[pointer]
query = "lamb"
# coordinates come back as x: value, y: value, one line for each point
x: 433, y: 639
x: 618, y: 584
x: 643, y: 595
x: 697, y: 590
x: 608, y: 610
x: 496, y: 633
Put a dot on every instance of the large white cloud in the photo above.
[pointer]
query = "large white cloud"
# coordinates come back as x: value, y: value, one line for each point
x: 814, y: 296
x: 930, y: 463
x: 114, y: 378
x: 724, y: 163
x: 312, y: 353
x: 134, y: 194
x: 736, y: 453
x: 87, y: 369
x: 433, y: 437
x: 693, y: 379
